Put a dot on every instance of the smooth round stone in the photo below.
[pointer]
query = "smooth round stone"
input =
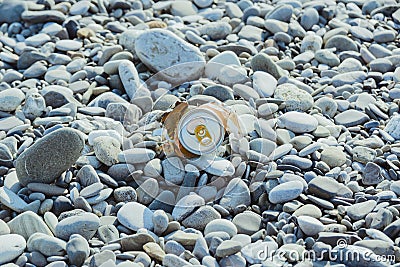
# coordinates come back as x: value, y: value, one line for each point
x: 351, y: 117
x: 264, y: 83
x: 267, y: 109
x: 147, y: 191
x: 215, y: 166
x: 244, y: 91
x: 10, y: 99
x: 77, y: 250
x: 325, y: 187
x: 105, y: 258
x: 28, y: 223
x: 11, y: 246
x: 53, y: 76
x: 190, y: 61
x: 183, y: 8
x: 215, y: 64
x: 247, y: 222
x: 228, y: 247
x: 333, y: 156
x: 220, y: 92
x: 349, y: 65
x: 358, y: 211
x: 263, y: 62
x: 311, y: 42
x: 232, y: 74
x: 216, y: 30
x: 236, y: 193
x: 282, y: 12
x: 221, y: 225
x: 186, y: 205
x: 233, y: 10
x: 85, y: 224
x: 309, y: 18
x: 384, y: 36
x: 309, y: 225
x: 125, y: 194
x: 349, y: 78
x: 363, y: 154
x: 201, y: 217
x: 136, y: 155
x: 295, y: 99
x: 327, y: 57
x: 285, y: 192
x: 79, y: 8
x: 327, y: 105
x: 37, y: 70
x: 57, y: 151
x: 341, y: 43
x: 308, y: 210
x: 298, y: 122
x: 68, y: 45
x: 98, y: 133
x: 135, y: 216
x: 173, y: 170
x: 382, y: 65
x: 302, y: 163
x: 106, y: 149
x: 372, y: 174
x: 251, y: 33
x: 129, y: 77
x: 37, y: 40
x: 275, y: 26
x: 203, y: 3
x: 47, y: 245
x: 361, y: 33
x: 160, y: 221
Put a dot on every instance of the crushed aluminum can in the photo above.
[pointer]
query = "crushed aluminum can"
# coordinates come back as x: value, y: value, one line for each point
x: 192, y: 131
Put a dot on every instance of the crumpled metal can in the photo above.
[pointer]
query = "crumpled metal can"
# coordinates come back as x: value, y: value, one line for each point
x: 193, y: 131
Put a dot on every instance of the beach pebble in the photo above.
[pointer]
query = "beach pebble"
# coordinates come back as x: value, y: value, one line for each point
x: 62, y: 147
x: 182, y: 70
x: 298, y: 122
x: 285, y: 192
x: 135, y: 216
x: 12, y: 246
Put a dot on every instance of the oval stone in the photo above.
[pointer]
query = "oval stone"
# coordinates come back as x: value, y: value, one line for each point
x: 174, y: 59
x: 49, y: 157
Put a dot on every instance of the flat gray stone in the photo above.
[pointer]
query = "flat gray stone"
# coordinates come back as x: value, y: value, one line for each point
x: 28, y: 223
x: 47, y: 245
x: 285, y: 192
x: 84, y: 223
x: 11, y: 246
x: 151, y: 47
x: 135, y: 216
x: 351, y: 117
x: 56, y: 151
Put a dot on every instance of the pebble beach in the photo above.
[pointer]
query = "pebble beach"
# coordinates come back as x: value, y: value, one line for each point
x: 296, y: 161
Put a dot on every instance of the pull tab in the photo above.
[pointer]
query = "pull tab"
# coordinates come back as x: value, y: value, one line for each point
x: 203, y: 135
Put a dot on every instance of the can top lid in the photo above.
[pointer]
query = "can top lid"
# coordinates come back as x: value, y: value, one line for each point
x: 200, y: 131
